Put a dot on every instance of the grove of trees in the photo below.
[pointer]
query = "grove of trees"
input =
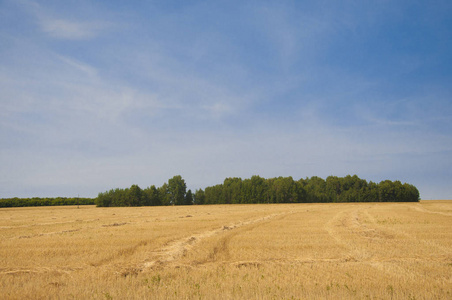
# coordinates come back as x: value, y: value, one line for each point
x: 22, y: 202
x: 172, y: 193
x: 260, y: 190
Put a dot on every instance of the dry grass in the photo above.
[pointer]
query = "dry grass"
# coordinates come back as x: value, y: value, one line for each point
x: 302, y: 251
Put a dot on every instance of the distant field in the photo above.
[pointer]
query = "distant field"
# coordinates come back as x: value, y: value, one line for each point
x: 260, y: 251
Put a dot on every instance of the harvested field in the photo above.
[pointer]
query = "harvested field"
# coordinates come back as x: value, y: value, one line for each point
x: 281, y: 251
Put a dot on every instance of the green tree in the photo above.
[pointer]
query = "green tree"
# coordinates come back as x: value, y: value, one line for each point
x: 386, y: 191
x: 104, y: 199
x: 334, y: 188
x: 316, y: 190
x: 200, y: 197
x: 188, y: 198
x: 214, y: 194
x: 411, y: 193
x: 134, y: 196
x: 283, y: 190
x: 258, y: 189
x: 176, y: 190
x: 164, y: 194
x: 152, y: 196
x: 232, y: 190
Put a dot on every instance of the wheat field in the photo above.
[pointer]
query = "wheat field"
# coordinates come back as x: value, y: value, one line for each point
x: 279, y: 251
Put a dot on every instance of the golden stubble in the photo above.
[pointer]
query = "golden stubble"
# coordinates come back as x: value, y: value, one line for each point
x: 281, y: 251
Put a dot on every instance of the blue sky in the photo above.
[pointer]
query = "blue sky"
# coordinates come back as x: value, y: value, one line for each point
x: 103, y: 94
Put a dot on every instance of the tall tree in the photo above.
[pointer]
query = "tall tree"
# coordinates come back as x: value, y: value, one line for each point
x: 134, y: 196
x: 188, y: 198
x: 152, y: 196
x: 176, y: 190
x: 164, y: 194
x: 232, y: 190
x: 200, y: 197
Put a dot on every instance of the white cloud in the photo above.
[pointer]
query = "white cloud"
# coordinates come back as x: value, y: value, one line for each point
x: 178, y: 87
x: 87, y: 69
x: 145, y: 111
x: 293, y: 34
x: 57, y: 23
x: 72, y: 30
x: 218, y: 108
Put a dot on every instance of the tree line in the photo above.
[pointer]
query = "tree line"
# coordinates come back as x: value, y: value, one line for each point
x: 36, y: 201
x: 256, y: 189
x: 172, y: 193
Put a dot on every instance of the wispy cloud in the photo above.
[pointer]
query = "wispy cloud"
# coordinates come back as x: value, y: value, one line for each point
x: 208, y: 92
x: 71, y: 30
x: 217, y: 109
x: 61, y: 25
x: 87, y: 69
x: 292, y: 33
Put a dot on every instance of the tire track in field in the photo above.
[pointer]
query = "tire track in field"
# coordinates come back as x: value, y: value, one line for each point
x: 34, y: 225
x: 280, y: 261
x: 419, y: 208
x: 50, y: 233
x: 345, y: 228
x: 350, y: 222
x: 410, y: 237
x: 66, y: 231
x: 221, y: 250
x: 41, y: 270
x: 348, y: 231
x: 166, y: 255
x: 178, y: 249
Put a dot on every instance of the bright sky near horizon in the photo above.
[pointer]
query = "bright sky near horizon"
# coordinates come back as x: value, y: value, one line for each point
x: 96, y: 95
